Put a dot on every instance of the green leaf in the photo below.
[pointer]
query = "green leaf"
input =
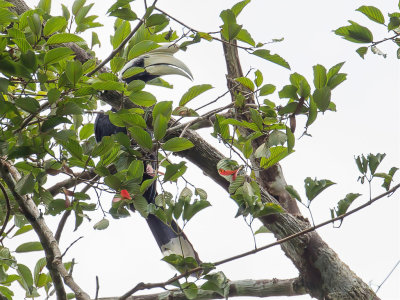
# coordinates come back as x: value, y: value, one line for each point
x: 4, y: 83
x: 290, y: 139
x: 35, y: 24
x: 337, y: 79
x: 230, y: 29
x: 193, y: 92
x: 238, y: 7
x: 121, y: 33
x: 245, y: 37
x: 86, y: 131
x: 73, y: 70
x: 190, y: 290
x: 141, y: 48
x: 142, y: 137
x: 355, y: 33
x: 26, y: 275
x: 25, y: 185
x: 372, y: 13
x: 374, y: 161
x: 28, y: 104
x: 29, y: 247
x: 55, y: 55
x: 7, y: 16
x: 52, y: 122
x: 191, y: 209
x: 277, y: 154
x: 101, y: 225
x: 108, y: 86
x: 275, y: 58
x: 82, y: 12
x: 292, y: 191
x: 124, y: 13
x: 314, y: 187
x: 267, y: 89
x: 259, y: 78
x: 319, y: 76
x: 394, y: 23
x: 160, y: 127
x: 344, y: 204
x: 174, y: 171
x: 45, y: 5
x: 322, y: 98
x: 262, y: 229
x: 156, y: 19
x: 312, y: 113
x: 268, y: 209
x: 60, y: 38
x: 334, y: 70
x: 362, y: 51
x: 77, y: 5
x: 246, y: 82
x: 256, y: 117
x: 65, y: 12
x: 54, y: 24
x: 177, y: 144
x: 143, y: 98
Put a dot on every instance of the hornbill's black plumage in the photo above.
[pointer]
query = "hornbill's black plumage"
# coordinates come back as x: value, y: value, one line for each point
x: 170, y: 239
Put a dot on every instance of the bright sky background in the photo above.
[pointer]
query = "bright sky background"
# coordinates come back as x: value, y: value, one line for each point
x: 367, y: 121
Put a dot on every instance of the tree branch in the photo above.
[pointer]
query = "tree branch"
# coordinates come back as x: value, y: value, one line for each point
x: 241, y: 288
x: 58, y: 273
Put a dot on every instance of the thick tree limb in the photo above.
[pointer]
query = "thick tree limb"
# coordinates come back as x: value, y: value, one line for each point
x: 58, y: 273
x: 241, y: 288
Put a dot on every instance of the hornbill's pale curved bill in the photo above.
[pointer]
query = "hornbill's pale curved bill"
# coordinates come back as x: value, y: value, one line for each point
x: 158, y: 62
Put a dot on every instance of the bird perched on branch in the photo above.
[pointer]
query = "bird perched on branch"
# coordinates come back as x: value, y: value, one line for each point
x: 158, y: 62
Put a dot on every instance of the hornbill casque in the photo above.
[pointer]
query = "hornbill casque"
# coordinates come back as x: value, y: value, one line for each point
x: 158, y: 62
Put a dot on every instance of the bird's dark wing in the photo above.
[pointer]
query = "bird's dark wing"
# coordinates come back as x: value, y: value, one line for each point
x: 103, y: 127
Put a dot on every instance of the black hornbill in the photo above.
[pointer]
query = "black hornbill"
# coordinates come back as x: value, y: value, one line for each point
x: 170, y: 239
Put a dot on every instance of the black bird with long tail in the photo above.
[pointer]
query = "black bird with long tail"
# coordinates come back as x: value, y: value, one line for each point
x: 158, y: 62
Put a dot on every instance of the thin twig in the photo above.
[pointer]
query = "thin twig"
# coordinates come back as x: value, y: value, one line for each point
x: 388, y: 275
x: 66, y: 250
x: 97, y: 288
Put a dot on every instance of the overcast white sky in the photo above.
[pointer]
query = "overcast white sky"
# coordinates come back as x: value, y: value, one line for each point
x: 367, y: 121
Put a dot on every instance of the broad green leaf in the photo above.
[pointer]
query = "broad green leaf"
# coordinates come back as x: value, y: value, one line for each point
x: 142, y: 137
x: 292, y: 191
x: 156, y: 19
x: 140, y: 204
x: 124, y: 13
x: 174, y: 171
x: 230, y: 29
x: 4, y: 83
x: 35, y: 24
x: 25, y: 185
x: 245, y: 37
x: 300, y: 82
x: 108, y: 85
x: 372, y: 13
x: 238, y: 7
x: 362, y: 51
x: 344, y: 204
x: 103, y: 147
x: 190, y: 290
x: 45, y: 5
x: 86, y: 131
x: 73, y: 70
x: 290, y: 139
x: 314, y: 187
x: 256, y: 117
x: 141, y: 48
x: 267, y: 89
x: 374, y: 161
x: 40, y: 264
x: 319, y: 76
x: 101, y: 225
x: 77, y: 5
x: 275, y: 58
x: 268, y: 209
x: 355, y: 33
x: 22, y: 44
x: 322, y: 98
x: 82, y: 12
x: 177, y: 144
x: 26, y: 275
x: 73, y: 147
x: 65, y: 12
x: 29, y: 247
x: 246, y: 82
x: 28, y: 104
x: 54, y: 24
x: 160, y: 127
x: 259, y: 78
x: 362, y: 164
x: 60, y: 38
x: 277, y: 154
x: 143, y: 98
x: 337, y: 79
x: 262, y: 229
x: 191, y: 209
x: 121, y: 33
x: 52, y: 122
x: 394, y: 22
x: 55, y: 55
x: 193, y: 92
x: 7, y: 16
x: 334, y: 70
x: 312, y: 113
